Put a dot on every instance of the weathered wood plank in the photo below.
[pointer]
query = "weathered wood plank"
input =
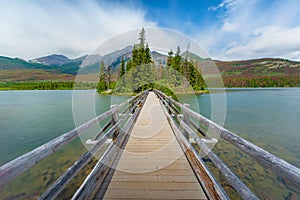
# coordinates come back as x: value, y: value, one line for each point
x: 156, y: 177
x: 212, y: 188
x: 282, y: 168
x: 94, y: 180
x: 19, y: 165
x: 162, y: 168
x: 154, y: 194
x: 233, y: 180
x: 59, y: 184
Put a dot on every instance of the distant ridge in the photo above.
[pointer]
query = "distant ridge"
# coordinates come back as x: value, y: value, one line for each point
x: 54, y: 59
x: 89, y: 64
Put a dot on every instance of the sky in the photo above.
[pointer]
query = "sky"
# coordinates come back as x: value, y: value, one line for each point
x: 225, y: 29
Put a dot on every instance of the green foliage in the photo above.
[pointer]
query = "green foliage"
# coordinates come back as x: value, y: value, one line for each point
x: 140, y: 53
x: 122, y: 68
x: 139, y: 71
x: 147, y: 55
x: 45, y: 85
x: 142, y: 38
x: 169, y: 58
x: 165, y: 90
x: 102, y: 85
x: 128, y: 66
x: 262, y: 81
x: 187, y: 69
x: 142, y: 73
x: 103, y: 72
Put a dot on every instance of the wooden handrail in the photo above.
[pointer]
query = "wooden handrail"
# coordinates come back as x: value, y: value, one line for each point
x: 14, y: 168
x: 62, y: 181
x: 268, y: 160
x: 94, y: 180
x: 211, y: 187
x: 233, y: 180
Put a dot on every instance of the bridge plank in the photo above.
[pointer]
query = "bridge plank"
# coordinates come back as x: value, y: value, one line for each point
x: 153, y: 165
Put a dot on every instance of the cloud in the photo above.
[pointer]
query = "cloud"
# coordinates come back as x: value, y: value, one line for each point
x: 271, y: 41
x: 229, y: 27
x: 251, y: 29
x: 32, y: 28
x: 229, y: 5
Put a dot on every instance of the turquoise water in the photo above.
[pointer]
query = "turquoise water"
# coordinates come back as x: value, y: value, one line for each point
x: 267, y: 117
x: 270, y: 118
x: 31, y: 118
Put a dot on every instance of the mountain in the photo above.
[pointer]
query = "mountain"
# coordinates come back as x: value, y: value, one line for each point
x: 158, y: 57
x: 54, y: 59
x: 91, y: 64
x: 56, y: 64
x: 110, y: 58
x: 7, y: 63
x: 259, y: 67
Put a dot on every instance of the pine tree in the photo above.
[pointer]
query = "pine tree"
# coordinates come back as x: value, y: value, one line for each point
x: 122, y: 68
x: 142, y: 38
x: 102, y: 73
x: 128, y: 66
x: 147, y: 55
x: 102, y: 86
x: 135, y: 56
x: 108, y: 76
x: 176, y: 61
x: 184, y: 67
x: 169, y: 58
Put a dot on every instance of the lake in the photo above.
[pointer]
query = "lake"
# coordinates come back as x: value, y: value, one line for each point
x: 267, y: 117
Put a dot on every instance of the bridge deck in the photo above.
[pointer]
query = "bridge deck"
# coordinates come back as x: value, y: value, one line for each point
x: 152, y: 164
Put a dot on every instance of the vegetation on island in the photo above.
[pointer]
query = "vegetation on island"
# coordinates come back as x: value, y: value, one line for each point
x: 36, y: 74
x: 141, y: 72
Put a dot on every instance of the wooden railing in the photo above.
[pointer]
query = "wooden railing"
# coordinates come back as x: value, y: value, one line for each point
x: 183, y: 119
x: 120, y: 121
x: 114, y: 129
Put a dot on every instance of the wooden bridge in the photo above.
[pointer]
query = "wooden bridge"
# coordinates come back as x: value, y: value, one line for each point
x: 154, y: 153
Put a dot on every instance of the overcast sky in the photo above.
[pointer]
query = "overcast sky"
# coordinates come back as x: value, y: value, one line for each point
x: 227, y: 30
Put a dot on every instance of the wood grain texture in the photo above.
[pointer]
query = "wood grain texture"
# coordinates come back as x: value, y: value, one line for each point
x: 279, y: 166
x: 153, y: 166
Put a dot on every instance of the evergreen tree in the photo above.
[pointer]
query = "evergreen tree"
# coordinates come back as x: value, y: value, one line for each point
x: 142, y: 38
x: 186, y: 69
x: 108, y: 76
x: 135, y: 56
x: 147, y: 55
x: 178, y: 51
x: 128, y: 66
x: 141, y: 54
x: 176, y: 61
x: 102, y: 73
x: 122, y: 68
x: 169, y: 58
x: 102, y: 86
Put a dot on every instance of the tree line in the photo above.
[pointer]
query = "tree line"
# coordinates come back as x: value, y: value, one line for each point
x: 45, y: 85
x: 141, y: 72
x: 258, y: 81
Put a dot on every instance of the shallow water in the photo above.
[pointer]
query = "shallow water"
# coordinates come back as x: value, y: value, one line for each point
x: 267, y: 117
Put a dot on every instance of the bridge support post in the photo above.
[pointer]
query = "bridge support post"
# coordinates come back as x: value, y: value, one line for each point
x: 169, y: 105
x: 186, y: 120
x: 132, y: 103
x: 114, y: 121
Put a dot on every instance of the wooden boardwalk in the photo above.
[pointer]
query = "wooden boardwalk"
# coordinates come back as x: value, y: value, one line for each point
x: 152, y: 164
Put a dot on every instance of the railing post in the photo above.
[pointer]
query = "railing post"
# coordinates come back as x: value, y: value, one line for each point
x: 169, y: 105
x: 114, y: 121
x: 186, y: 119
x: 132, y: 103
